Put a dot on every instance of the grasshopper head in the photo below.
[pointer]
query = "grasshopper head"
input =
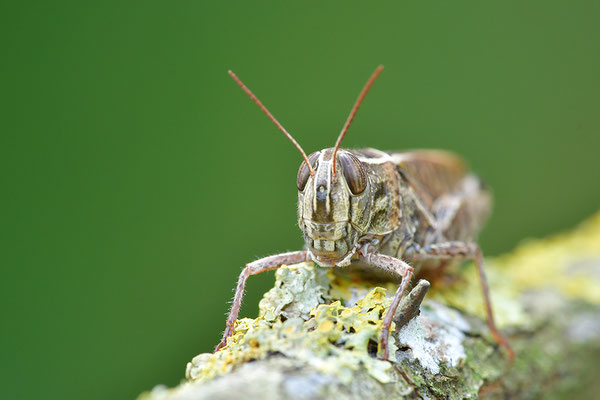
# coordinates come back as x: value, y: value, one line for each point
x: 333, y: 206
x: 333, y: 191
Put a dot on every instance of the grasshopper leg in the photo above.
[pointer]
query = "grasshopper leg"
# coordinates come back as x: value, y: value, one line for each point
x: 253, y: 268
x: 401, y: 269
x: 467, y: 251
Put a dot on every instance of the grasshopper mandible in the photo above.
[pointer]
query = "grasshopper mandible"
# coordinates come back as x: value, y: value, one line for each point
x: 382, y: 211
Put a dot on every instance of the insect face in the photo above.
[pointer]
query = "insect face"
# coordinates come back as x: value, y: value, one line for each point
x: 334, y: 193
x: 333, y: 208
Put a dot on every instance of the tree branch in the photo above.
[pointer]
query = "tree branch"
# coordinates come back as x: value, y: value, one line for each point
x: 317, y: 332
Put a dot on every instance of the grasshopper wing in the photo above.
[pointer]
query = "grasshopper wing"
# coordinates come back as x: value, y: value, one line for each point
x: 431, y: 173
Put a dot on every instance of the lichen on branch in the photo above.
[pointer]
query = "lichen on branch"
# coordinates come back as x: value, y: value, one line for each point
x: 317, y: 333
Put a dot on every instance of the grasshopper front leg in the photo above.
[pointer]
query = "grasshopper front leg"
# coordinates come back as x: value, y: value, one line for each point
x: 253, y: 268
x: 396, y: 267
x: 465, y: 251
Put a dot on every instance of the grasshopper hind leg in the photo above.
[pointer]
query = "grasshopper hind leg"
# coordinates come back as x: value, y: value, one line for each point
x: 465, y: 251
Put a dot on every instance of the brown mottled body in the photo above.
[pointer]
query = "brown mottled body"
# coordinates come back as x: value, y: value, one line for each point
x: 432, y: 197
x: 394, y: 214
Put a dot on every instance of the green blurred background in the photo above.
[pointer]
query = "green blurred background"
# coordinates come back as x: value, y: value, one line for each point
x: 137, y: 178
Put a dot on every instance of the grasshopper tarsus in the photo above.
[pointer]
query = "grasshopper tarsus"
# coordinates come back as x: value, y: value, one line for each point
x: 383, y: 208
x: 256, y: 267
x: 465, y: 251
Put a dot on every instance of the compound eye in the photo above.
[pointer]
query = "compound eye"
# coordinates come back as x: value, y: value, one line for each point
x: 304, y: 173
x: 354, y: 172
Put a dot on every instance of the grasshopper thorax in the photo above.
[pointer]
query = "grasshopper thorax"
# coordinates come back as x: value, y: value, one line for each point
x: 333, y: 206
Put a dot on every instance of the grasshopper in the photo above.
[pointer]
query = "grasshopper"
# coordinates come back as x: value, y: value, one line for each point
x: 398, y: 213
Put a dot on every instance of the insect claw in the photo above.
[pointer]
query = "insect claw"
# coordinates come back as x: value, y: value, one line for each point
x: 221, y: 344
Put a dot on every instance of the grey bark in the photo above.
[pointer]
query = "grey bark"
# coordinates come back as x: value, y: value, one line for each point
x: 442, y: 350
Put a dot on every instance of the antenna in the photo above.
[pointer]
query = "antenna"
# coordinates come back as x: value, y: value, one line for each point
x: 272, y: 118
x: 359, y: 100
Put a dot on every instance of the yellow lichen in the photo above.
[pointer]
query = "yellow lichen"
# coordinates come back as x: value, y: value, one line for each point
x: 333, y: 322
x: 560, y: 262
x: 334, y: 339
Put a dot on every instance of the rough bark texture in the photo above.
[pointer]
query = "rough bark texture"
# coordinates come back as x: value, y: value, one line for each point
x: 316, y: 334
